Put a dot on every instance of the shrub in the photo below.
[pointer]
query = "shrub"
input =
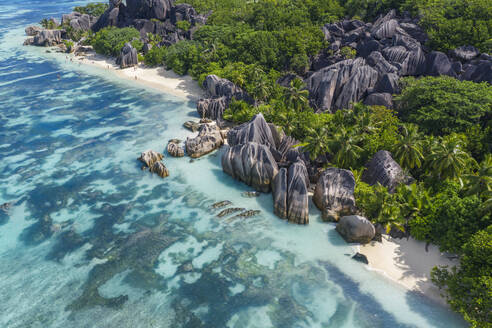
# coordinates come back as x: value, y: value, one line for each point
x: 442, y: 105
x: 180, y: 56
x: 155, y: 56
x: 110, y: 40
x: 94, y: 8
x: 183, y: 25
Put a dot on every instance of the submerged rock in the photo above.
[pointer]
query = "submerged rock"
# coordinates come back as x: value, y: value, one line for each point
x: 221, y: 204
x: 192, y: 125
x: 290, y: 193
x: 209, y: 139
x: 334, y: 193
x: 251, y: 163
x: 250, y: 194
x: 150, y: 157
x: 384, y: 170
x: 247, y: 214
x: 229, y: 210
x: 356, y: 229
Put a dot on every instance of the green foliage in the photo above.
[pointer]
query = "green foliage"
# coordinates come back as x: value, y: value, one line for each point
x: 441, y: 105
x: 183, y: 25
x: 370, y: 9
x: 69, y: 45
x: 295, y: 96
x: 453, y: 23
x: 110, y: 40
x: 408, y: 149
x: 240, y: 111
x: 94, y: 8
x: 155, y: 56
x: 449, y: 219
x: 49, y: 24
x: 469, y: 287
x: 181, y: 56
x: 348, y: 52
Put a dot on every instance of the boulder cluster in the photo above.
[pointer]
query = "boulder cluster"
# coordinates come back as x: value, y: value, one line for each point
x: 157, y: 16
x: 386, y: 50
x: 152, y: 162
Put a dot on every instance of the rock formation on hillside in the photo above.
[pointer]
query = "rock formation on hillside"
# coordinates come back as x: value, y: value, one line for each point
x: 384, y: 170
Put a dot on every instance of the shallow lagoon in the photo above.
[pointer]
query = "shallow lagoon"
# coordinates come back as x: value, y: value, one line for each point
x: 94, y: 241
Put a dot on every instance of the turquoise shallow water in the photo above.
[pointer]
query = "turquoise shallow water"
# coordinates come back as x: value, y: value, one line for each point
x: 93, y: 241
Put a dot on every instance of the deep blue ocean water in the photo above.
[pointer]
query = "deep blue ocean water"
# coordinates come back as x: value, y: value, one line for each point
x: 93, y: 241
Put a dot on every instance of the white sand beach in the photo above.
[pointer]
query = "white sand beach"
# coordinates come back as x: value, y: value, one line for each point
x: 154, y: 77
x: 408, y: 263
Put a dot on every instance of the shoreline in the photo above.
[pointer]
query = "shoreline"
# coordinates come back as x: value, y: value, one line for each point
x: 157, y: 78
x: 407, y: 263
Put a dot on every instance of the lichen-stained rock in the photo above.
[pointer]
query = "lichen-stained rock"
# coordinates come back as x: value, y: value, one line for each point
x: 464, y: 53
x: 256, y: 130
x: 174, y: 149
x: 386, y: 29
x: 209, y: 139
x: 32, y: 30
x: 360, y: 81
x: 149, y: 157
x: 290, y: 193
x: 128, y: 56
x: 438, y: 64
x: 297, y: 193
x: 160, y: 169
x: 334, y: 193
x: 212, y: 108
x: 388, y: 83
x: 251, y: 163
x: 379, y: 99
x: 48, y: 38
x: 356, y: 229
x: 384, y: 170
x: 326, y: 84
x: 158, y: 9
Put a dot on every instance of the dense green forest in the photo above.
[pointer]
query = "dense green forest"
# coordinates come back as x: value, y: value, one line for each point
x: 440, y: 130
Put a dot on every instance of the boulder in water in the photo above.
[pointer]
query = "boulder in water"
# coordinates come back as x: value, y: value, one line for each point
x: 160, y: 169
x: 174, y: 149
x: 150, y: 157
x: 209, y: 139
x: 355, y: 229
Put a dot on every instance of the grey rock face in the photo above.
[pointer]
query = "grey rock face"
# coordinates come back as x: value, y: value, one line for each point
x: 78, y: 21
x: 465, y: 53
x: 33, y: 30
x: 379, y: 99
x: 290, y: 194
x: 334, y: 193
x: 438, y: 64
x: 182, y: 12
x: 148, y: 9
x: 388, y: 83
x: 386, y: 29
x: 338, y: 85
x: 383, y: 169
x: 208, y: 140
x: 356, y: 229
x: 482, y: 72
x: 128, y: 57
x: 251, y: 163
x: 257, y: 130
x: 380, y: 64
x: 47, y: 38
x: 212, y: 108
x: 174, y: 149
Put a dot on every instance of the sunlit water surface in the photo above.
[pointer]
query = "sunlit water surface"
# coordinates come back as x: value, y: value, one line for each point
x: 93, y: 241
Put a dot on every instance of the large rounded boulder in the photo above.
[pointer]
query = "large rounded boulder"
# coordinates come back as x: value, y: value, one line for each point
x: 356, y: 229
x: 209, y: 139
x: 334, y: 193
x: 383, y: 169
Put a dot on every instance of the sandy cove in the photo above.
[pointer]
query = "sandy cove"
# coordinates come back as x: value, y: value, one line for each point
x: 154, y: 77
x: 406, y: 262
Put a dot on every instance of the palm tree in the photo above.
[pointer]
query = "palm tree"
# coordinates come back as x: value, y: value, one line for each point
x: 317, y: 142
x: 447, y: 159
x: 408, y: 148
x: 347, y: 149
x: 481, y: 181
x: 295, y: 96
